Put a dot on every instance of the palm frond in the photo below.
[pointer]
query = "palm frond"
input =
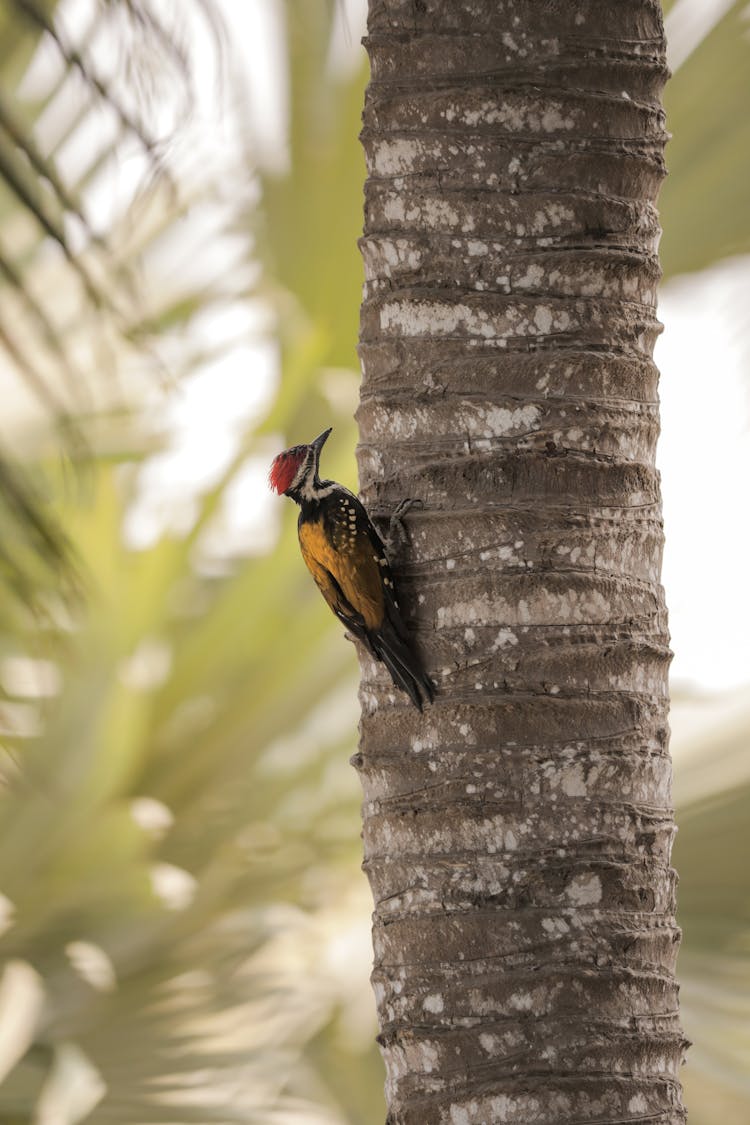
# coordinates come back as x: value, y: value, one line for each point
x: 704, y: 214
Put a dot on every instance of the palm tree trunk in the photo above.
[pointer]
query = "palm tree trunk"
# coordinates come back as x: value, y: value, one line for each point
x: 517, y: 835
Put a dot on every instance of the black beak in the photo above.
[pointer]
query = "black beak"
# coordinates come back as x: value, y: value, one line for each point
x: 320, y: 440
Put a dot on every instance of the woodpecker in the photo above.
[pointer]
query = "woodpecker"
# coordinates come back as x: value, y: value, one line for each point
x: 347, y: 559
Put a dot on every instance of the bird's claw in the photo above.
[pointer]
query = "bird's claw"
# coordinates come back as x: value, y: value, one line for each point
x: 397, y: 533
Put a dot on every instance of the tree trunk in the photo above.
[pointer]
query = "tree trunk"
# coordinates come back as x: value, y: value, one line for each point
x: 517, y: 834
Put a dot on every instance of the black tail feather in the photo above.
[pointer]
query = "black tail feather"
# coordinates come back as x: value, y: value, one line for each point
x: 403, y: 665
x: 391, y: 645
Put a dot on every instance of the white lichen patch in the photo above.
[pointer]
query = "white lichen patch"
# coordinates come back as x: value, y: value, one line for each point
x: 533, y: 276
x: 522, y: 1001
x: 572, y: 782
x: 476, y: 248
x: 514, y: 115
x: 438, y: 212
x: 500, y: 421
x: 504, y: 638
x: 433, y: 1003
x: 637, y: 1104
x: 437, y: 318
x: 392, y: 253
x: 553, y: 120
x: 467, y: 734
x: 421, y: 317
x: 464, y: 613
x: 504, y: 1108
x: 483, y: 610
x: 428, y: 741
x: 396, y: 156
x: 554, y: 215
x: 429, y: 1057
x: 394, y: 209
x: 555, y: 926
x: 584, y: 890
x: 543, y: 319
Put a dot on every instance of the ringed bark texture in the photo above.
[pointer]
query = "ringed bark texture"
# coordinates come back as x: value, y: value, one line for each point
x: 517, y: 834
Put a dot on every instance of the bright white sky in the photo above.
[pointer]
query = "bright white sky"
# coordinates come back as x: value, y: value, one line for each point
x: 704, y: 457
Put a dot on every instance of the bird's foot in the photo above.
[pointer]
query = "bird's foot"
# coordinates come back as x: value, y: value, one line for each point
x: 397, y: 535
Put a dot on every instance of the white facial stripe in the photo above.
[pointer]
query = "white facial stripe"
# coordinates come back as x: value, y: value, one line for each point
x: 301, y: 473
x: 319, y: 493
x: 304, y: 484
x: 310, y: 492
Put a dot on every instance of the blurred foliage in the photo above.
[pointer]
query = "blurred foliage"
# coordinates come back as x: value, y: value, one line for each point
x: 183, y: 932
x: 704, y: 199
x: 178, y: 858
x: 162, y: 817
x: 712, y: 794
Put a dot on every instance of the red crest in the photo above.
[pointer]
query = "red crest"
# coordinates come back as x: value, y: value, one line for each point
x: 284, y: 468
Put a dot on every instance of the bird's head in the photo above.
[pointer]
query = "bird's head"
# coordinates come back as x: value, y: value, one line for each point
x: 295, y: 471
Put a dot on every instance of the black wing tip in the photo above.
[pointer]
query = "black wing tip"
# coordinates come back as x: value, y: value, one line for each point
x: 420, y: 691
x: 423, y: 692
x: 416, y: 697
x: 405, y: 672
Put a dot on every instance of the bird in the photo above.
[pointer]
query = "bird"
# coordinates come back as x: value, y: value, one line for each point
x: 348, y: 561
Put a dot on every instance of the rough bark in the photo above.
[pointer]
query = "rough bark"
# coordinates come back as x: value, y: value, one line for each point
x: 517, y: 835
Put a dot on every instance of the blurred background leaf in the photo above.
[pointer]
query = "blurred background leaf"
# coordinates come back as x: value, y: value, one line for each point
x: 184, y: 930
x: 704, y: 199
